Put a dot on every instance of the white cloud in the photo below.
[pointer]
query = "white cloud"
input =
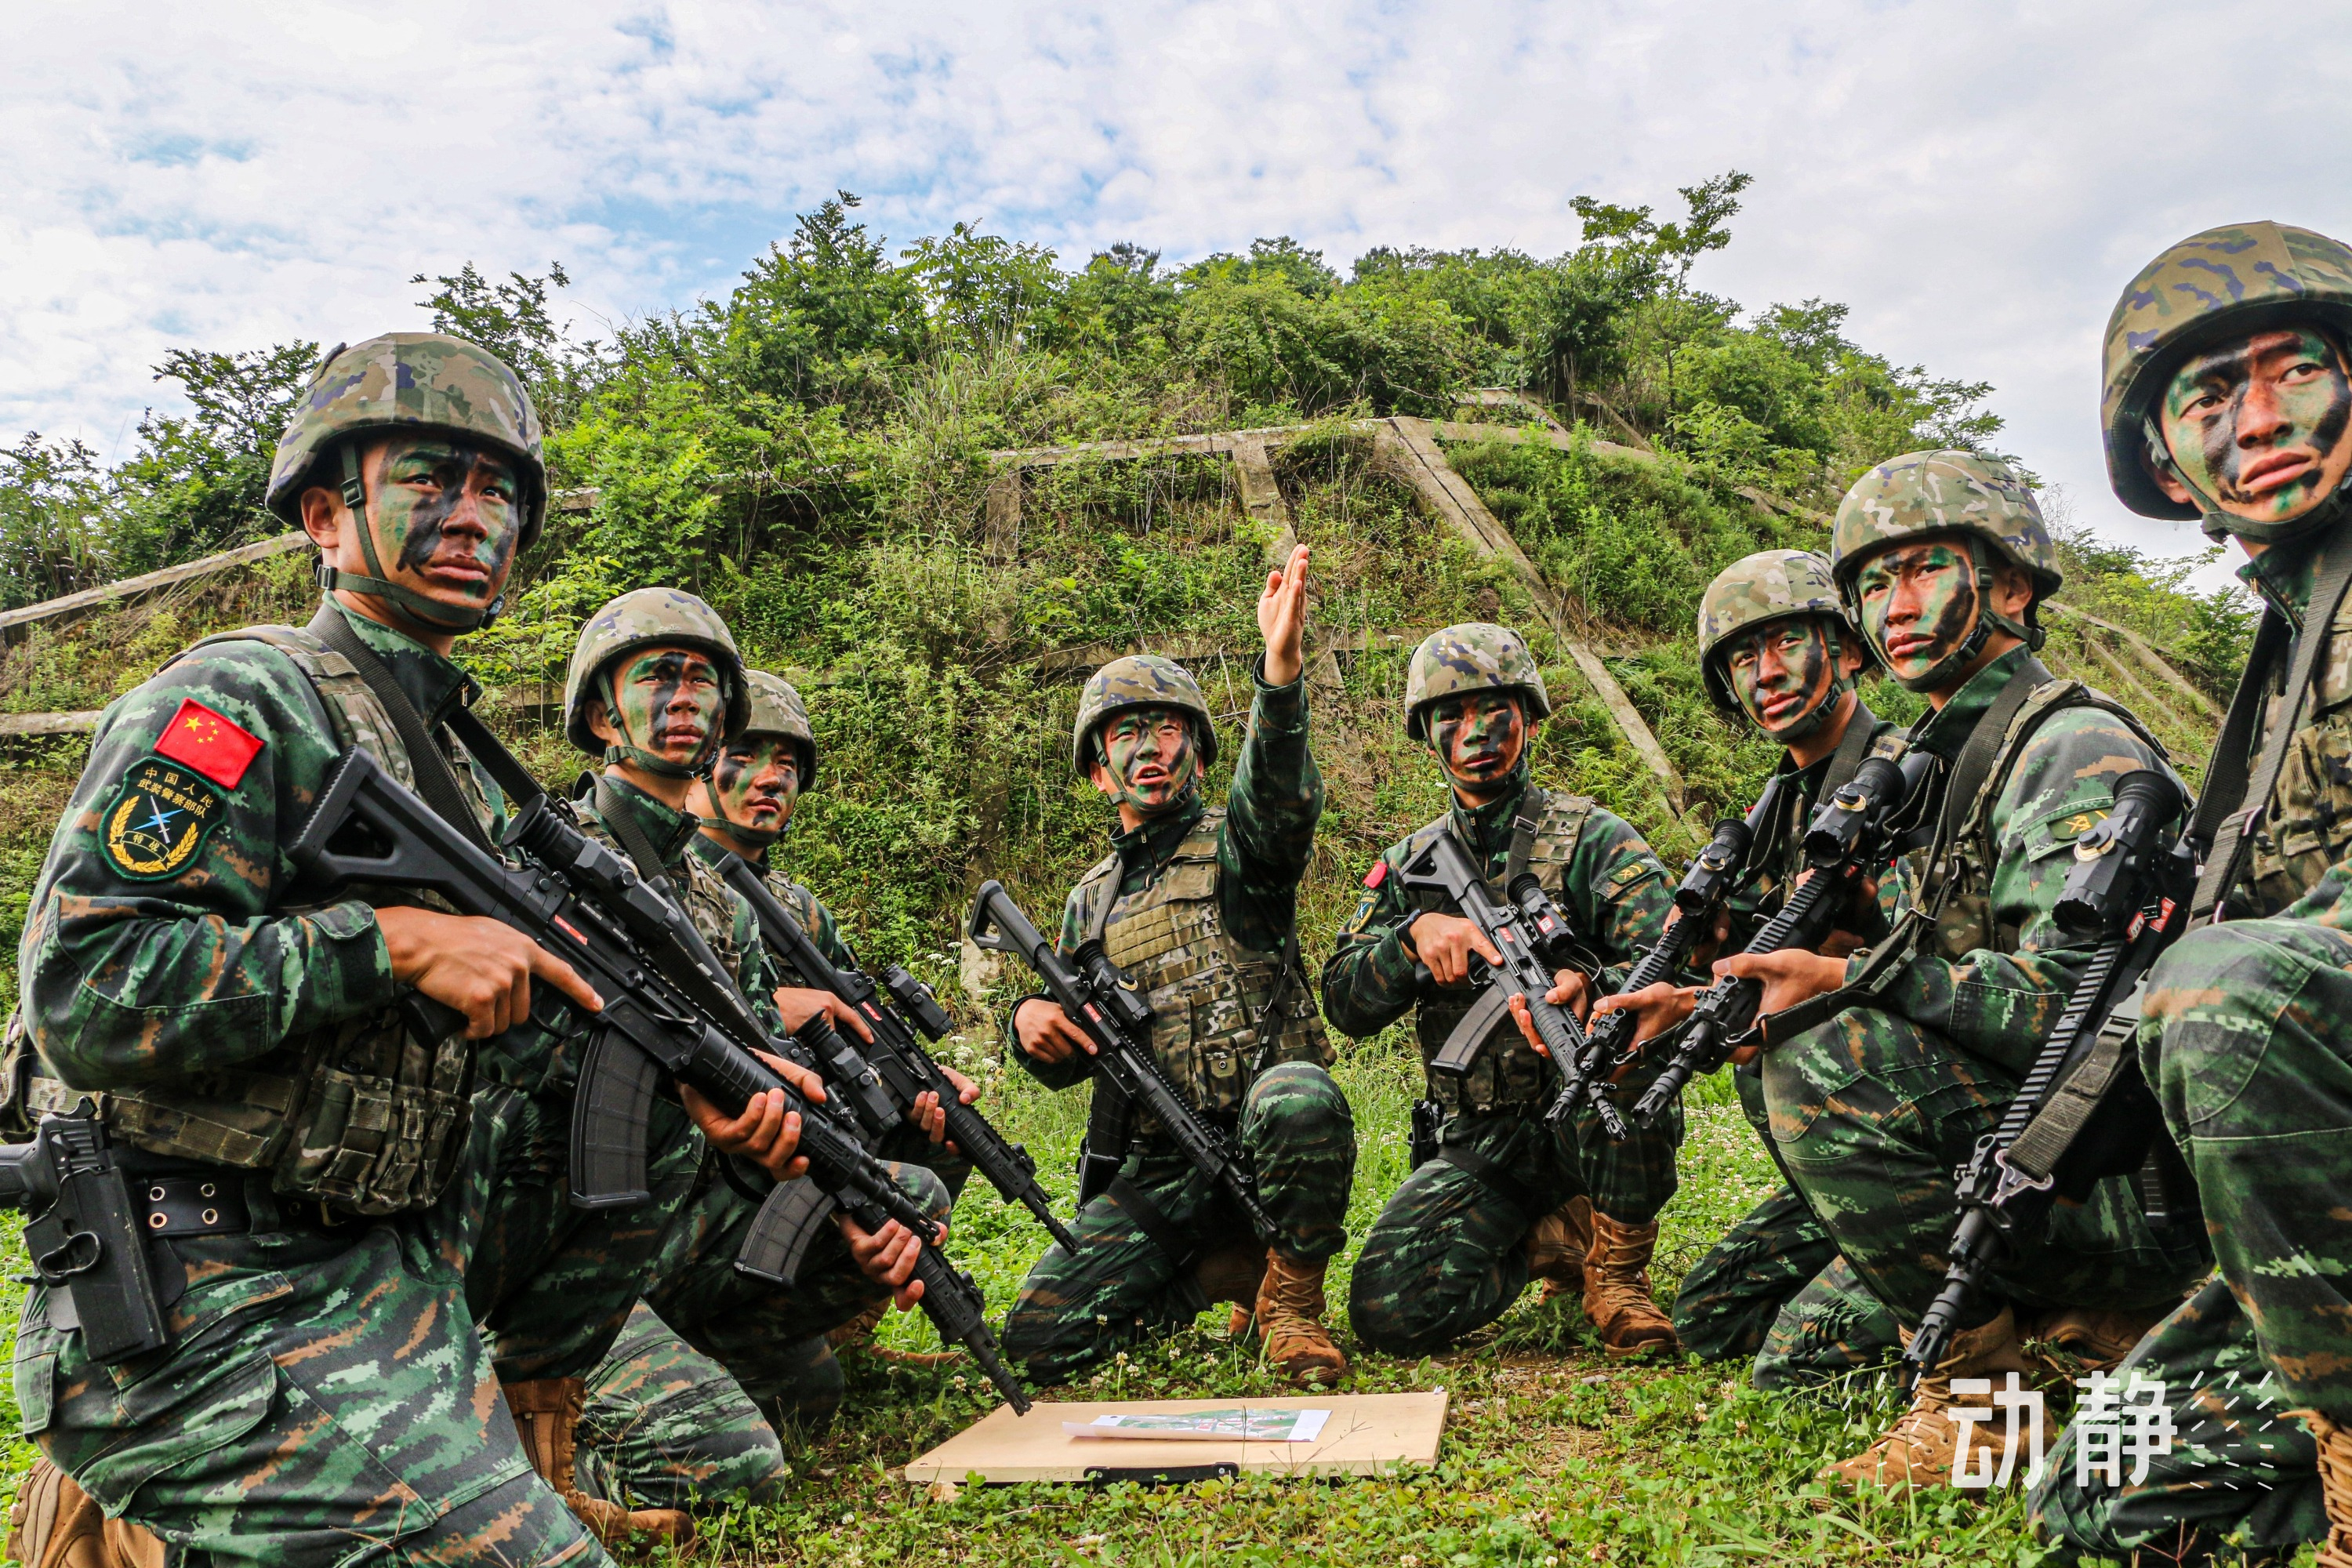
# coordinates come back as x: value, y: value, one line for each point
x: 1977, y: 181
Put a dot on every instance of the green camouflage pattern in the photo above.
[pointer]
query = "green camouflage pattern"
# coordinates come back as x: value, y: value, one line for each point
x: 666, y: 1427
x: 2307, y: 826
x: 2224, y: 283
x: 411, y: 381
x: 1076, y: 1310
x: 1923, y: 493
x: 776, y: 708
x: 641, y: 618
x: 1770, y: 586
x: 1472, y: 657
x: 1140, y: 681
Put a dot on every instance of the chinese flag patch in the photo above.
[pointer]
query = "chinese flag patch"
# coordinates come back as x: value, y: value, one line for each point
x: 1377, y: 875
x: 214, y: 746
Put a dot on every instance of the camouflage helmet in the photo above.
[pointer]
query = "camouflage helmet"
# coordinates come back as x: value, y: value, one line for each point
x: 777, y: 709
x: 1472, y: 657
x: 1140, y: 681
x: 650, y: 618
x: 412, y: 381
x: 1946, y: 492
x: 1770, y: 586
x: 2225, y: 282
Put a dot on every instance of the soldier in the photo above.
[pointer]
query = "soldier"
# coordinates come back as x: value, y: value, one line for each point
x: 1509, y: 1195
x: 2229, y: 399
x: 306, y: 1149
x: 1942, y: 560
x: 1198, y: 905
x: 1776, y: 652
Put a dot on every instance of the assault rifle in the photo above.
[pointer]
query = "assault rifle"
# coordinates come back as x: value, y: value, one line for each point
x: 1851, y: 836
x: 2083, y: 1111
x: 1094, y: 996
x: 84, y: 1236
x: 670, y: 1010
x: 896, y: 1059
x: 1609, y: 1043
x: 1533, y: 938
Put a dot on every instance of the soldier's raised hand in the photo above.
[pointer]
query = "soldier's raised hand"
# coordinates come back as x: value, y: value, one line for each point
x: 1282, y: 619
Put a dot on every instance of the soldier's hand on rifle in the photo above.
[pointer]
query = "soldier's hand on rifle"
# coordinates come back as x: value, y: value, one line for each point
x: 1282, y: 619
x: 888, y: 1257
x: 483, y: 968
x: 928, y: 1115
x: 1445, y: 943
x: 798, y: 1004
x: 1570, y: 989
x: 765, y: 1133
x: 1790, y: 976
x: 1656, y: 1008
x: 1046, y: 1032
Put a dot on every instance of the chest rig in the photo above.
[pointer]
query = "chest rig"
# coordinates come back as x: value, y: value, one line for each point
x: 1221, y: 1013
x: 2306, y: 791
x: 1507, y: 1074
x: 369, y: 1115
x: 693, y: 882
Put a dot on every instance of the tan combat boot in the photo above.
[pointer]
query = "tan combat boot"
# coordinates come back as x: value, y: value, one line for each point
x: 56, y: 1524
x: 1290, y: 1320
x: 547, y: 1418
x: 1231, y: 1273
x: 1557, y: 1246
x: 2099, y: 1340
x: 1919, y: 1448
x: 1617, y: 1289
x: 2334, y: 1486
x: 857, y: 1335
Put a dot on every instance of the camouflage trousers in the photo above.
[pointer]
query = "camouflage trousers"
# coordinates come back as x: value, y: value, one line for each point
x: 1075, y: 1309
x: 1871, y: 1115
x: 2246, y: 1036
x: 666, y: 1427
x: 1774, y: 1289
x: 325, y: 1399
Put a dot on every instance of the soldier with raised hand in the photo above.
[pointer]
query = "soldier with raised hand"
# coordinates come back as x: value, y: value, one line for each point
x: 1198, y: 905
x: 1777, y: 653
x: 2228, y: 399
x: 1943, y: 560
x: 1509, y: 1195
x: 303, y: 1147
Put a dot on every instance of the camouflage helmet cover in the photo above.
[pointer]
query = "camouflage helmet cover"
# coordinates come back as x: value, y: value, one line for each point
x: 777, y: 709
x: 1943, y: 492
x: 1770, y: 586
x: 2225, y: 282
x: 649, y: 617
x: 418, y: 380
x: 1472, y: 657
x: 1140, y: 681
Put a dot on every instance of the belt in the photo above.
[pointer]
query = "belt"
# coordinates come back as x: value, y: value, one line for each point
x: 171, y: 1197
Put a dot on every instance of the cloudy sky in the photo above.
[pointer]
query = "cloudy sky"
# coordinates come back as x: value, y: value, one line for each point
x: 1976, y: 180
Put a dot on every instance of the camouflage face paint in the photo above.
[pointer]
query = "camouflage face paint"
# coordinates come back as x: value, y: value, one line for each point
x: 1781, y: 671
x: 667, y: 700
x: 1478, y: 737
x: 1149, y: 754
x: 448, y: 515
x: 1919, y: 601
x: 756, y: 782
x: 2258, y: 428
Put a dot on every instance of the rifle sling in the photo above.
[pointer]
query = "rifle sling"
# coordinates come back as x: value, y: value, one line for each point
x: 1852, y: 748
x: 2067, y: 1110
x: 1490, y: 1174
x: 2233, y: 803
x: 614, y: 812
x: 436, y: 782
x: 1180, y: 1250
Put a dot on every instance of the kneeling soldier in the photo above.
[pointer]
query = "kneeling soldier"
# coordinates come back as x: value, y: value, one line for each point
x: 1509, y: 1195
x: 1198, y: 905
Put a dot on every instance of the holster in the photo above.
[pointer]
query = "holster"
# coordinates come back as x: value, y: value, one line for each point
x: 1110, y: 1120
x: 1428, y: 1122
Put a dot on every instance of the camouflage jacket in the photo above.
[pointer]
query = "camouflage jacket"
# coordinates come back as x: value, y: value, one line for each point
x: 2306, y: 829
x: 806, y: 909
x: 1997, y: 989
x: 1271, y: 810
x: 1779, y: 852
x: 1611, y: 887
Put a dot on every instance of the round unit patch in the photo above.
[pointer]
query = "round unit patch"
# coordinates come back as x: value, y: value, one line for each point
x: 159, y: 819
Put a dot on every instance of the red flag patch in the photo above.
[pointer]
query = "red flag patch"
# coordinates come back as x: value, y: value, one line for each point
x: 1377, y: 875
x: 215, y: 747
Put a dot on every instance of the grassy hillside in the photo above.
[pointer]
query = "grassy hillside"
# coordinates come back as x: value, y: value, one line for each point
x: 811, y: 455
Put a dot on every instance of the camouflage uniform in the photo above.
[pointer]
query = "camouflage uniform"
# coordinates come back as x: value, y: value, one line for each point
x: 666, y: 1427
x: 1198, y: 907
x: 325, y: 1391
x: 2242, y: 1033
x: 1774, y: 1288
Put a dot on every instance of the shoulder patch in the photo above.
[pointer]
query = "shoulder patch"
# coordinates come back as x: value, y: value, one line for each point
x: 218, y: 748
x: 157, y: 820
x: 1631, y: 872
x: 1377, y: 875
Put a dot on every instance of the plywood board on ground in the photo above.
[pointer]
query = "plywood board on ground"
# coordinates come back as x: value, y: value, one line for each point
x: 1367, y: 1434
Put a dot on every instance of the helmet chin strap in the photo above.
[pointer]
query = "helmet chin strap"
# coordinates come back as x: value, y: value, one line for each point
x: 1821, y: 712
x: 759, y: 840
x: 415, y: 605
x: 2221, y: 526
x: 1946, y: 669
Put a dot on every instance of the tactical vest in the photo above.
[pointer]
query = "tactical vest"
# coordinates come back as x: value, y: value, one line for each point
x: 368, y: 1116
x: 702, y: 891
x: 1208, y: 993
x: 801, y: 904
x: 1507, y: 1074
x: 2308, y: 825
